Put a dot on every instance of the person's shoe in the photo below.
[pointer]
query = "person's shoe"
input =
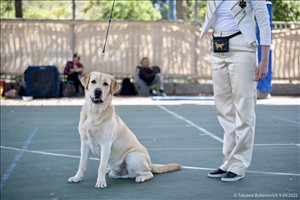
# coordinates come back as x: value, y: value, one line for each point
x: 153, y: 92
x: 162, y: 93
x: 231, y: 177
x: 218, y: 173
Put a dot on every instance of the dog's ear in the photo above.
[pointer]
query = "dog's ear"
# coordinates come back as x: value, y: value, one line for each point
x: 85, y: 81
x: 114, y: 87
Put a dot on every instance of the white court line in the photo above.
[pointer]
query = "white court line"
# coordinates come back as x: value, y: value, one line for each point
x: 288, y: 120
x: 262, y: 146
x: 250, y: 171
x: 220, y: 148
x: 43, y: 153
x: 267, y: 145
x: 206, y: 132
x: 184, y: 167
x: 191, y: 123
x: 14, y: 163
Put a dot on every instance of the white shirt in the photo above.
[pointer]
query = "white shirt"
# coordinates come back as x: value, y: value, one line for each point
x: 244, y: 19
x: 224, y: 18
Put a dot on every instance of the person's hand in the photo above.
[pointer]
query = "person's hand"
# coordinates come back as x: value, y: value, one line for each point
x: 261, y: 71
x: 76, y: 68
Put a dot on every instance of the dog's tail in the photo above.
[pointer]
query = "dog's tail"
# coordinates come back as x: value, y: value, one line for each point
x: 155, y: 168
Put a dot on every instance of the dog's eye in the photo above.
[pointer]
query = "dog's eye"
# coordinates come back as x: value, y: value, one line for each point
x: 105, y: 84
x: 93, y: 81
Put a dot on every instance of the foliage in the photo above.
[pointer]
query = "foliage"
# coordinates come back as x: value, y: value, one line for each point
x: 284, y: 10
x: 134, y: 10
x: 38, y: 9
x: 7, y: 9
x: 201, y: 9
x: 92, y: 9
x: 47, y: 9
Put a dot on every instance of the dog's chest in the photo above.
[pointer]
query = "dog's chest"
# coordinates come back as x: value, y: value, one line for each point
x: 93, y: 143
x: 93, y: 138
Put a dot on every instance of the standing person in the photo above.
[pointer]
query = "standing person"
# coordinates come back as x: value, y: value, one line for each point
x: 148, y: 79
x: 234, y: 73
x: 73, y: 70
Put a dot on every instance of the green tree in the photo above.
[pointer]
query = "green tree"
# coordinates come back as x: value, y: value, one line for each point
x: 47, y: 9
x: 19, y: 8
x: 284, y: 10
x: 181, y: 10
x: 7, y: 9
x: 133, y: 10
x: 36, y: 9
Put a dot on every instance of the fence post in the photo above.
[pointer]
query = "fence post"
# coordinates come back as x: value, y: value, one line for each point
x: 264, y: 86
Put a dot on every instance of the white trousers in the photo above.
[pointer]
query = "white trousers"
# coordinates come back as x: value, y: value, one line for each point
x: 234, y: 86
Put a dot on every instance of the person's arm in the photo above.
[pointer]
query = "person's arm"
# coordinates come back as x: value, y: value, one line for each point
x: 263, y: 21
x: 262, y: 68
x: 78, y: 68
x: 68, y: 68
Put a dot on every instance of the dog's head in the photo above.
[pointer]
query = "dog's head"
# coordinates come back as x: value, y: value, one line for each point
x: 99, y: 86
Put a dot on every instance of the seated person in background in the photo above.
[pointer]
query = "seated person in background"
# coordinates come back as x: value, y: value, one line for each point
x: 73, y: 70
x: 148, y: 79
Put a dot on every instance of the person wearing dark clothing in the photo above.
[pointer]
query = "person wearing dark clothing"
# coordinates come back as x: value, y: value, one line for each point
x: 73, y: 70
x: 148, y: 79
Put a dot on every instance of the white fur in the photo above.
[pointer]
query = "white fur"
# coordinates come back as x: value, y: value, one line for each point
x: 104, y: 133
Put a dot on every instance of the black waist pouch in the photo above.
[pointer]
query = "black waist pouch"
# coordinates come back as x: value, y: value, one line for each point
x: 221, y: 44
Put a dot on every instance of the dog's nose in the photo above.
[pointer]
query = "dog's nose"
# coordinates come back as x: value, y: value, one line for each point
x: 97, y: 92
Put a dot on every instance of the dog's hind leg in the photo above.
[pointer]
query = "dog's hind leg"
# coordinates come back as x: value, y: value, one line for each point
x: 138, y: 167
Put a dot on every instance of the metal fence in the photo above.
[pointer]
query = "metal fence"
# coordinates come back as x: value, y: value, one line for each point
x: 175, y: 47
x: 285, y: 25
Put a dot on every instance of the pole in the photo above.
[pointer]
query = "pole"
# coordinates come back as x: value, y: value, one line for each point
x: 172, y: 10
x: 196, y: 6
x: 73, y: 10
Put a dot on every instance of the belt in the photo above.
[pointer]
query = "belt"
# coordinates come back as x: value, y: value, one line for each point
x: 229, y: 36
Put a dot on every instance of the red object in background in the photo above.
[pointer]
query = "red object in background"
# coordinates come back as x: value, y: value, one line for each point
x: 2, y: 87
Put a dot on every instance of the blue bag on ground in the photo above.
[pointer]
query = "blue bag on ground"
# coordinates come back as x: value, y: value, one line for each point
x: 42, y: 81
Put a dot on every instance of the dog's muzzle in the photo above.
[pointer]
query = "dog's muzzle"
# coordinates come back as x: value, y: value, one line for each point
x: 97, y: 96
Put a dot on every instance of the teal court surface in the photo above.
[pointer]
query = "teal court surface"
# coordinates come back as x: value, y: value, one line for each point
x: 40, y: 151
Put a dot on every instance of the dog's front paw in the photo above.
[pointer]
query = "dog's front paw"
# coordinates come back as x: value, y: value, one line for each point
x: 74, y: 179
x: 101, y: 184
x: 140, y: 179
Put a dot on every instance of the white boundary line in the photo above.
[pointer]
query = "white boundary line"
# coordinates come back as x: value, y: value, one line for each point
x: 206, y: 132
x: 262, y: 146
x: 288, y: 120
x: 268, y: 145
x: 191, y: 123
x: 250, y: 171
x: 14, y: 163
x: 184, y: 167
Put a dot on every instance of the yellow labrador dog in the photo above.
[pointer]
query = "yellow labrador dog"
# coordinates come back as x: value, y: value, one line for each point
x: 104, y: 133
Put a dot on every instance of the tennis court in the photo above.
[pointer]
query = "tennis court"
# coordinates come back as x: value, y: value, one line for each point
x: 40, y: 151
